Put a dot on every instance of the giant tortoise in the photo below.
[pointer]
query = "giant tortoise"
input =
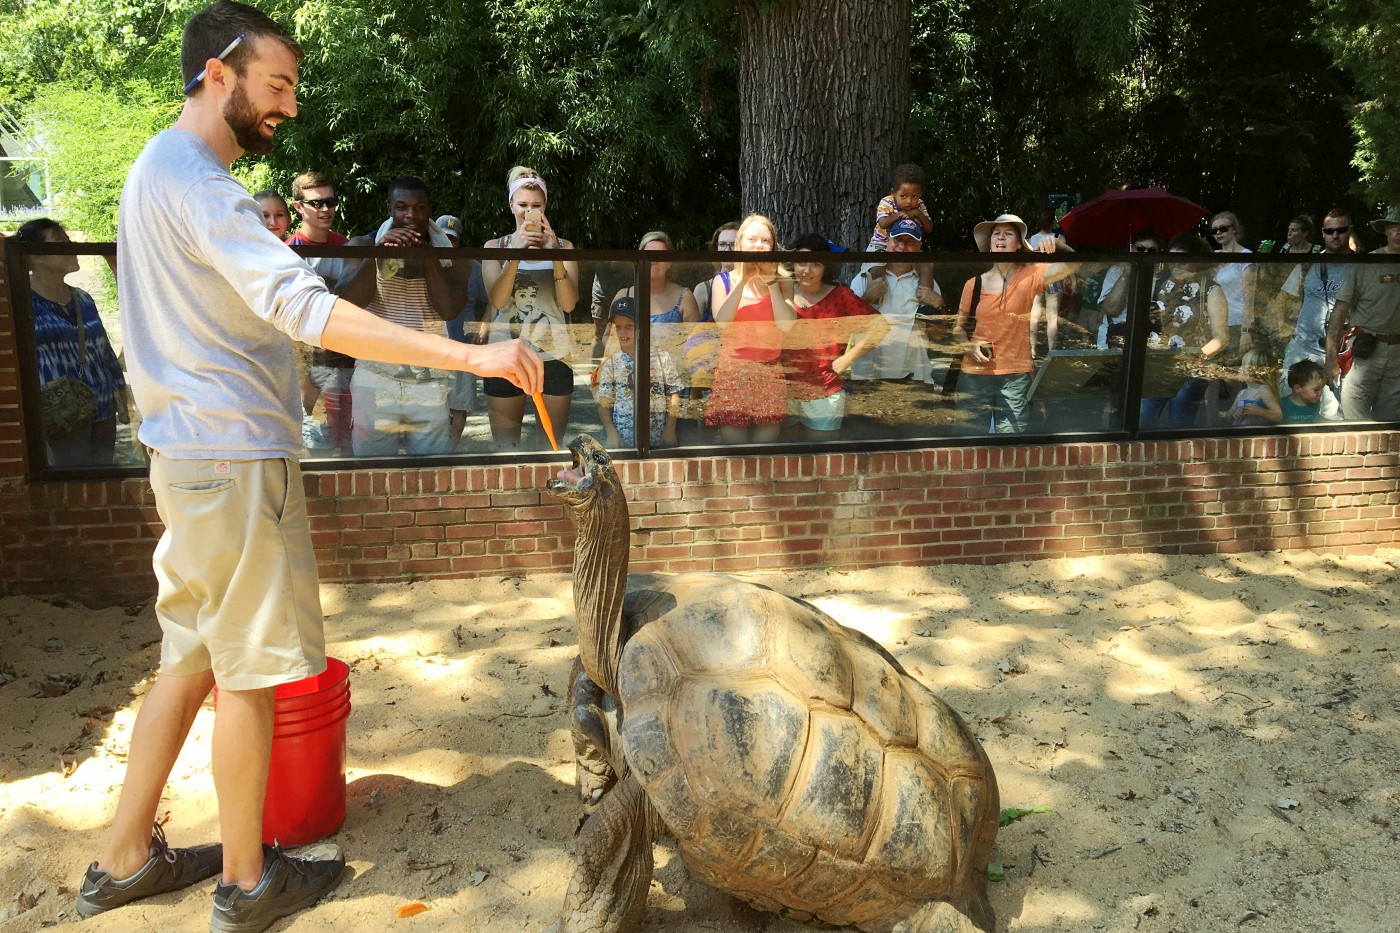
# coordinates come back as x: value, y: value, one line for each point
x: 796, y: 764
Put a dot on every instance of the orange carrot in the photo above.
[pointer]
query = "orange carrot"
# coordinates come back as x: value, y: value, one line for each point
x: 544, y: 420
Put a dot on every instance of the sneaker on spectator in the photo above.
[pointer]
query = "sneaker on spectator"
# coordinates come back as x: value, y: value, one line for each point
x: 166, y: 870
x: 289, y: 883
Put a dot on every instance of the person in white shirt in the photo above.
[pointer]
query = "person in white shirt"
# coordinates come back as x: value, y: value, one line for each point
x: 893, y: 288
x: 211, y: 300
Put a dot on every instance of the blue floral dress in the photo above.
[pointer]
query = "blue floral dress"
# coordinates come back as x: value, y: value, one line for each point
x: 56, y: 345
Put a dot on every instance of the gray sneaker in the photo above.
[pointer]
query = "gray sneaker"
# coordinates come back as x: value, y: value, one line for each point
x: 166, y: 870
x: 289, y: 883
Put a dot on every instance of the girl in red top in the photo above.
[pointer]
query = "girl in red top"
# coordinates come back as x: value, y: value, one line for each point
x: 833, y: 329
x: 754, y: 310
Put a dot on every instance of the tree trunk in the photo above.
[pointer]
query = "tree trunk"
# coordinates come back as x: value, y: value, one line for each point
x: 824, y: 112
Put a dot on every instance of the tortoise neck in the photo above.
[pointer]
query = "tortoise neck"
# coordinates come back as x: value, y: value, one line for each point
x: 600, y: 582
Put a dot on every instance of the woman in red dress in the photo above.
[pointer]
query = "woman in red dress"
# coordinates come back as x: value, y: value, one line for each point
x: 754, y: 310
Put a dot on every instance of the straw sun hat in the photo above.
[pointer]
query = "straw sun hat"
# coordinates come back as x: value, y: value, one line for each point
x: 982, y: 233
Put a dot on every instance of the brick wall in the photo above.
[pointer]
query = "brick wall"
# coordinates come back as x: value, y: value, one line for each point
x: 1335, y: 492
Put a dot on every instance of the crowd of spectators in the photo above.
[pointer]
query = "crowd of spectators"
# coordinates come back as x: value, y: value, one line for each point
x: 752, y: 352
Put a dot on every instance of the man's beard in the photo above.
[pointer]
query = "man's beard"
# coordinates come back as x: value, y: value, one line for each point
x: 246, y: 123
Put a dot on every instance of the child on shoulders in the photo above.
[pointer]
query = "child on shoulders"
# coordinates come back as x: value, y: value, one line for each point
x: 904, y: 202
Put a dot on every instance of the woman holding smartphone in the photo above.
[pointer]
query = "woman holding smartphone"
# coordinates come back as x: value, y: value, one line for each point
x: 530, y: 299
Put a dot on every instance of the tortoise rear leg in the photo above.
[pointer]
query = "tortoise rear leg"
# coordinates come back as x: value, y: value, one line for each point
x: 612, y: 865
x: 589, y: 710
x: 974, y: 915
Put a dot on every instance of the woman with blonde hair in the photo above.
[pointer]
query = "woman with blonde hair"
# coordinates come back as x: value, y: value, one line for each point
x: 530, y: 299
x: 753, y: 310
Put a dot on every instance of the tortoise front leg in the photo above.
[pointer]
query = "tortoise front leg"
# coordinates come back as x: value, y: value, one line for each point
x: 613, y: 864
x: 589, y: 711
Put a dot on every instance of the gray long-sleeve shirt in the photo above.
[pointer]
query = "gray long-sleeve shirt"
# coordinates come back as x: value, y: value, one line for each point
x: 210, y: 302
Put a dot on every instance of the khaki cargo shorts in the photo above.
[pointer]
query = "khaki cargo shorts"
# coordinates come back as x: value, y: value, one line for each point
x: 238, y: 590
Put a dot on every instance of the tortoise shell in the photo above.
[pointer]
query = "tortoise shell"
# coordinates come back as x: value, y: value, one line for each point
x: 796, y: 763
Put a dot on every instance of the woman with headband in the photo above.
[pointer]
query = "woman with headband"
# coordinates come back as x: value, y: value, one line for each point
x: 530, y: 299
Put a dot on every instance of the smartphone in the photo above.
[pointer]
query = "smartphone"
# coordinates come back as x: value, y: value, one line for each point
x: 533, y: 218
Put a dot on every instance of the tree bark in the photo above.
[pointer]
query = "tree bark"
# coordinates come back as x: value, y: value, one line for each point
x: 824, y: 112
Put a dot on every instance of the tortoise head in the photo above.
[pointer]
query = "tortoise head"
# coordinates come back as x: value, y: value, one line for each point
x: 591, y: 484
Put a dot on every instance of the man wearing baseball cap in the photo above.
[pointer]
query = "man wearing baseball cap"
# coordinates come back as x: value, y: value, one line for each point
x: 894, y: 289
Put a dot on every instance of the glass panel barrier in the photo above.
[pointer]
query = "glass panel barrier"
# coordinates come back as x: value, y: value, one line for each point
x: 875, y: 351
x: 68, y: 330
x: 386, y: 410
x: 1224, y: 336
x: 804, y: 348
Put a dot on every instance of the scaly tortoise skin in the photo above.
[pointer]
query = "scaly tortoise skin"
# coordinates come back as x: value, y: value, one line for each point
x: 796, y: 763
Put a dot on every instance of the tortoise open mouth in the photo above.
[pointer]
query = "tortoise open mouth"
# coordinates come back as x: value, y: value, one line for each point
x: 589, y: 457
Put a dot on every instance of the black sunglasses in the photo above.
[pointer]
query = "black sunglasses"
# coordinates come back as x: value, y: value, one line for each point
x: 1222, y: 229
x: 1335, y: 231
x: 318, y: 203
x: 1143, y: 248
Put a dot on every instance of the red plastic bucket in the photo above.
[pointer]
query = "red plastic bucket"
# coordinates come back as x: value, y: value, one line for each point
x: 306, y: 776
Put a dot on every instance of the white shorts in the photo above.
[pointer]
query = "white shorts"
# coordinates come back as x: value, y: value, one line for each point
x: 823, y: 414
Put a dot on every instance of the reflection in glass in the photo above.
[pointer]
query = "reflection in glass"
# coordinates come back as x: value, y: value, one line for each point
x: 82, y: 388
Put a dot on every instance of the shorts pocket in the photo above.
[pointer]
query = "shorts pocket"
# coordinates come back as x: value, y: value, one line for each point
x: 203, y: 487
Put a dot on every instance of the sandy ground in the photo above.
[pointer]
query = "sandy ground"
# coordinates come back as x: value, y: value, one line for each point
x: 1216, y: 739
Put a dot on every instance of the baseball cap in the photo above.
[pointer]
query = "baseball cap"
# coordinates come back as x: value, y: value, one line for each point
x: 450, y: 225
x: 907, y: 228
x: 626, y: 306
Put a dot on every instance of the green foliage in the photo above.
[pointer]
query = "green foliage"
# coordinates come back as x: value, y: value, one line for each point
x: 1364, y: 38
x: 92, y: 136
x: 458, y: 91
x: 630, y: 109
x: 1233, y: 105
x: 109, y: 42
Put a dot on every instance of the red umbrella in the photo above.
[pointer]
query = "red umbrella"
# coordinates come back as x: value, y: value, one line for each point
x: 1115, y: 217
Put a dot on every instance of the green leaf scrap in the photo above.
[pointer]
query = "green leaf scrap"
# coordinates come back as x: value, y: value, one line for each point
x: 1012, y: 814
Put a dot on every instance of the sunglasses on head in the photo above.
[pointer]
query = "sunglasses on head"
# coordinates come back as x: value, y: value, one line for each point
x: 1335, y: 231
x: 1222, y: 229
x: 319, y: 203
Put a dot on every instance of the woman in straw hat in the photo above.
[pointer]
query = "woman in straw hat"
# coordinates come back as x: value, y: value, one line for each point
x: 998, y: 319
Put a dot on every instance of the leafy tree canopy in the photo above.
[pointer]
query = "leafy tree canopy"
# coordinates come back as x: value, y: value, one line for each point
x: 629, y: 110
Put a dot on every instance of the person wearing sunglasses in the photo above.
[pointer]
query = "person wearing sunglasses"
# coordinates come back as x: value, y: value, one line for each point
x: 1369, y: 303
x: 1312, y: 289
x: 1236, y: 280
x: 315, y: 201
x: 327, y: 375
x: 1110, y: 329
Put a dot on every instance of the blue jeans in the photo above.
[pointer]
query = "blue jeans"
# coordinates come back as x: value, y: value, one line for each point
x: 1181, y: 408
x: 1006, y: 398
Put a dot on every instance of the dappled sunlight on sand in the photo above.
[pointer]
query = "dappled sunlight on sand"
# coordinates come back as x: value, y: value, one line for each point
x: 1160, y: 706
